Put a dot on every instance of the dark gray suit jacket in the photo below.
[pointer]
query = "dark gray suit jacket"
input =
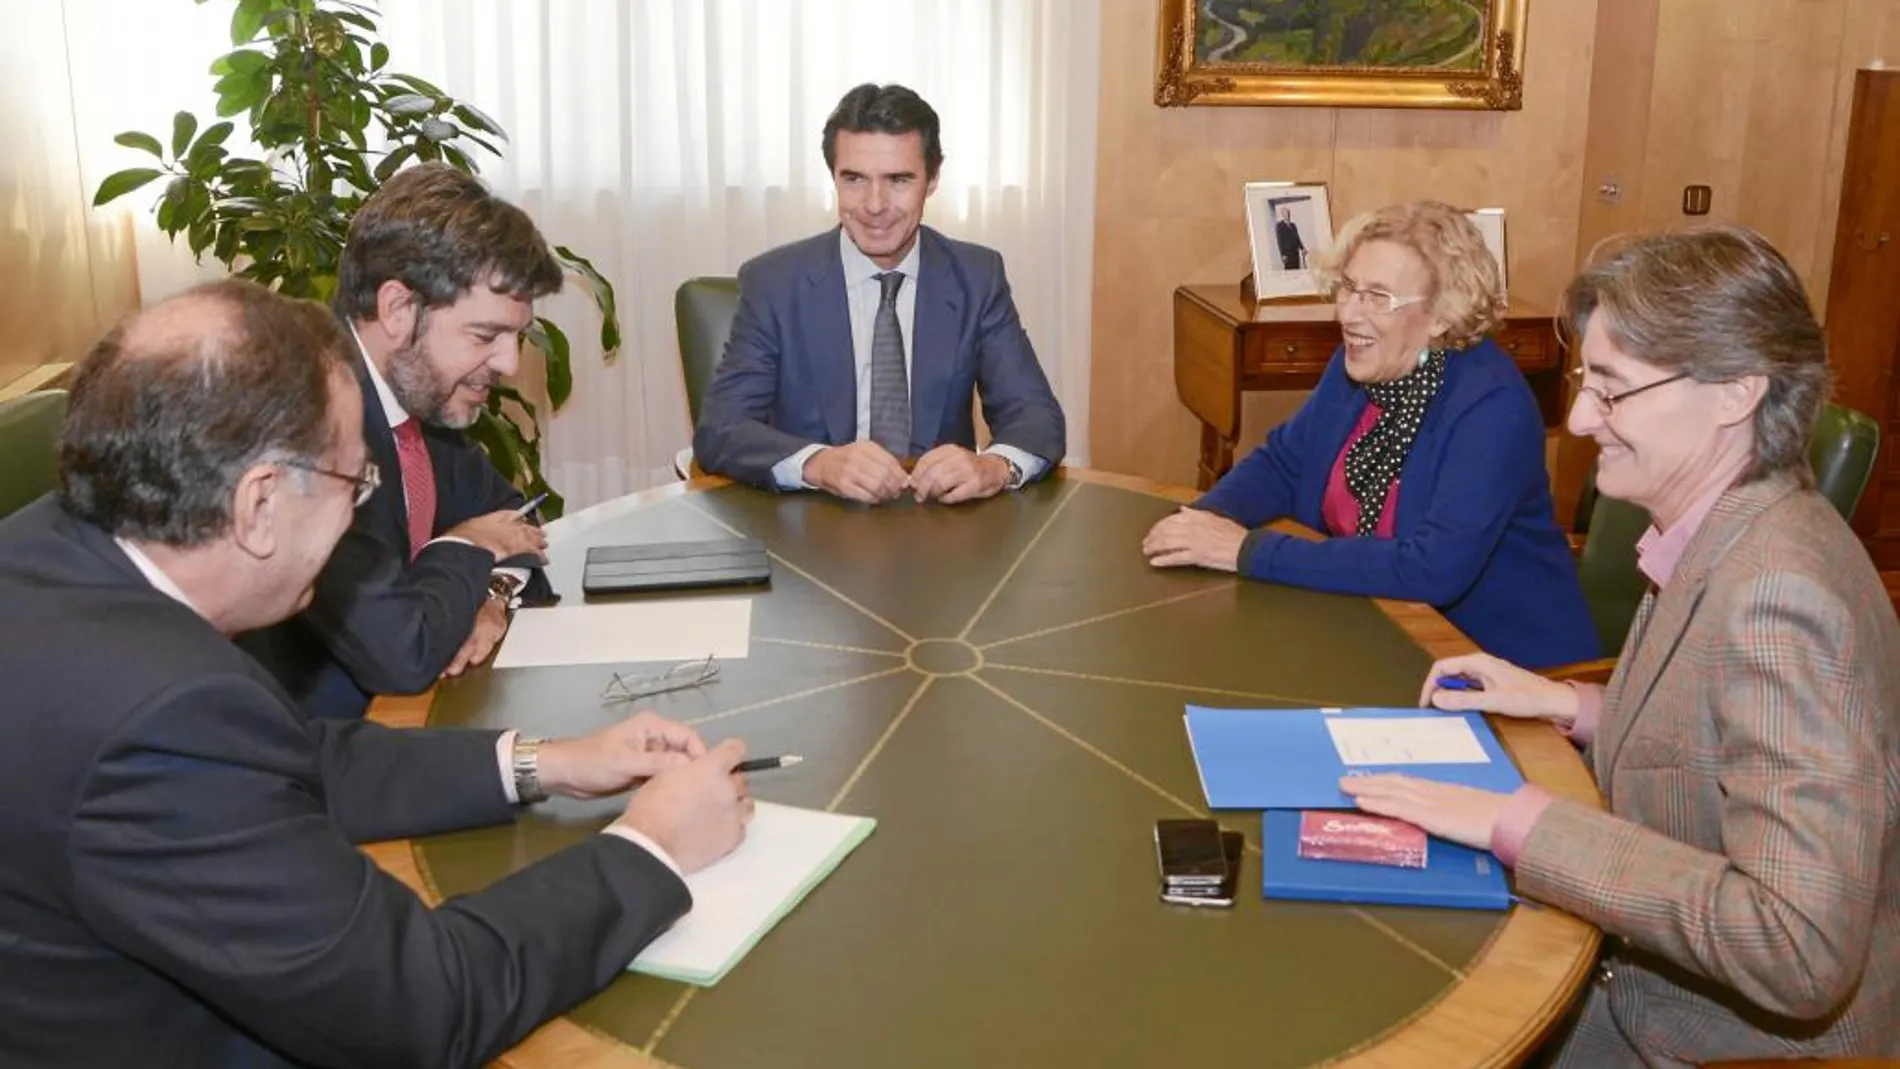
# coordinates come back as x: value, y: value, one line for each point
x: 788, y: 378
x: 181, y: 884
x: 382, y: 623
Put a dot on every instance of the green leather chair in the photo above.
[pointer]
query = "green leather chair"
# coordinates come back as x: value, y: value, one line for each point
x: 702, y: 313
x: 1842, y: 454
x: 29, y: 447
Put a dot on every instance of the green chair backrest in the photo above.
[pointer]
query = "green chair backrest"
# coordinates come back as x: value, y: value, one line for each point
x: 29, y: 447
x: 1845, y: 444
x: 1842, y: 453
x: 702, y: 313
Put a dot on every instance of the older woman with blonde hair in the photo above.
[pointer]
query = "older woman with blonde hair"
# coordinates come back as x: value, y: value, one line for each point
x: 1421, y: 452
x: 1748, y: 868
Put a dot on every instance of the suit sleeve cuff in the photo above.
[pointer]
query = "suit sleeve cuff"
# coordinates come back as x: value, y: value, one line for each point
x: 505, y: 762
x: 1589, y: 714
x: 644, y: 843
x: 789, y: 474
x: 1031, y: 465
x: 1515, y: 821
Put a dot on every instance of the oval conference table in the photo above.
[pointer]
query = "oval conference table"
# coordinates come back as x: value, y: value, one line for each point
x: 1001, y: 685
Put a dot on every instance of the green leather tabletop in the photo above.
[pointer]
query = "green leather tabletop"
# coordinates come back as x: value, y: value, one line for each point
x: 1001, y: 685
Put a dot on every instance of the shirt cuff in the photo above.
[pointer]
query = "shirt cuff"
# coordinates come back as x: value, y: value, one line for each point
x: 1589, y: 713
x: 1031, y: 465
x: 789, y: 474
x: 505, y: 761
x: 1515, y: 821
x: 641, y: 841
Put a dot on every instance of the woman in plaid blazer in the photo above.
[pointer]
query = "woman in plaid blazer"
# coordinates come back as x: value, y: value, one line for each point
x: 1747, y: 870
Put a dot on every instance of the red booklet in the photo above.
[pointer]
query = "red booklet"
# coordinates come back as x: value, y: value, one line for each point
x: 1338, y: 836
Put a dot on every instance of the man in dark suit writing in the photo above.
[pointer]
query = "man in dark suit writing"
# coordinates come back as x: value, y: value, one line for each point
x: 861, y: 348
x: 437, y: 281
x: 181, y: 885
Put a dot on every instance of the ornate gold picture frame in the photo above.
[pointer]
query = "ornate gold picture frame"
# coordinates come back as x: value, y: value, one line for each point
x: 1342, y: 53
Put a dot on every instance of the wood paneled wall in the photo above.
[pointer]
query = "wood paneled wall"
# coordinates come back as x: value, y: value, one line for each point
x: 1748, y: 97
x: 1168, y: 205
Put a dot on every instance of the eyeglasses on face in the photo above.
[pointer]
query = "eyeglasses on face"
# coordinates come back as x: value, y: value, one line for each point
x: 681, y: 676
x: 1378, y: 300
x: 1606, y: 402
x: 365, y: 483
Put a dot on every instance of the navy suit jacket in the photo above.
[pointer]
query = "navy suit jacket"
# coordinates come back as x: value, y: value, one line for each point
x: 788, y: 377
x: 181, y: 883
x: 1474, y: 535
x: 381, y: 623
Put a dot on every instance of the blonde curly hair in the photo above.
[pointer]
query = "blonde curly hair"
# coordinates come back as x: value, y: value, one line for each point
x: 1467, y: 292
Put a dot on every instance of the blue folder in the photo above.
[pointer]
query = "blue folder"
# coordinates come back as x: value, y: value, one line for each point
x: 1285, y: 758
x: 1454, y: 876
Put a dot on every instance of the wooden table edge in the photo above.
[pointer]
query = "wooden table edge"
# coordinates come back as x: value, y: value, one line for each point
x: 1511, y: 996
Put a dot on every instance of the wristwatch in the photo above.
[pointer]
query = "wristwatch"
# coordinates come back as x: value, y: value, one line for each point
x: 526, y: 764
x: 505, y: 589
x: 1015, y: 472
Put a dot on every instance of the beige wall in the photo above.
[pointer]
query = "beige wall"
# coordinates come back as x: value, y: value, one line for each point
x: 1168, y: 204
x: 1748, y: 97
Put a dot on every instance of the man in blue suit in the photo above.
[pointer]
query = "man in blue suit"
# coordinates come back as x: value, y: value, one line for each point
x: 856, y: 350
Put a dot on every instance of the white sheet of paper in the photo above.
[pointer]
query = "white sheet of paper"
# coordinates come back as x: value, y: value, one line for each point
x: 1407, y: 740
x: 630, y: 632
x: 787, y: 851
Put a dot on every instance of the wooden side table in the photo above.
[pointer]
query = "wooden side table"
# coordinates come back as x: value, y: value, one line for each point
x: 1224, y: 347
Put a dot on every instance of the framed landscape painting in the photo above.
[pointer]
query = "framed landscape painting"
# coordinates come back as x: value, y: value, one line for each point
x: 1342, y: 53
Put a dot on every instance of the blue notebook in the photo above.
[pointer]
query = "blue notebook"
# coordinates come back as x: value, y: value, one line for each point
x: 1454, y: 876
x: 1293, y: 758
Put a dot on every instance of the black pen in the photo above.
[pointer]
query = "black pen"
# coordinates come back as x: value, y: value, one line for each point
x: 766, y: 764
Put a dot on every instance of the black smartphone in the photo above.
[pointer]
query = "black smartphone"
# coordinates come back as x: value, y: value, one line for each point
x: 1190, y: 853
x: 1233, y: 845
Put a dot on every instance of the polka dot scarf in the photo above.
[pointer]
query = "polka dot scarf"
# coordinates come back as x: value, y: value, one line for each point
x: 1373, y: 463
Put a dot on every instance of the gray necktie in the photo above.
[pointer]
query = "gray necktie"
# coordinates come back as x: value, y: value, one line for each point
x: 890, y: 386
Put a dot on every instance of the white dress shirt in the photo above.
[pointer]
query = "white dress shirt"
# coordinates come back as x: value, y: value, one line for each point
x: 863, y: 293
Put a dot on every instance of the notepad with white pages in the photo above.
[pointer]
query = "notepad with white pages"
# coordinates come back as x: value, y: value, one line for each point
x: 739, y: 898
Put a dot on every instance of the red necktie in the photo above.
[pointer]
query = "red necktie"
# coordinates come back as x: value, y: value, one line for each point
x: 418, y: 482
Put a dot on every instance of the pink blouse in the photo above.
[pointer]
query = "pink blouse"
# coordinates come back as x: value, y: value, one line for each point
x: 1338, y: 507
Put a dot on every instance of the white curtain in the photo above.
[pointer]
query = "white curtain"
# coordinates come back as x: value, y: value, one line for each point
x: 665, y: 139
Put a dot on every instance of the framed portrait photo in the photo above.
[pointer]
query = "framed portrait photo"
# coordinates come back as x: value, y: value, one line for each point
x: 1490, y: 223
x: 1288, y: 223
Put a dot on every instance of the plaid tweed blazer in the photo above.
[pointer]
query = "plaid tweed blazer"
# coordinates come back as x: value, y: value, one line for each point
x: 1748, y: 866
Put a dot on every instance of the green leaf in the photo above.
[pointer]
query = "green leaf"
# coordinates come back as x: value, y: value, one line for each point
x: 559, y: 357
x: 146, y: 142
x: 458, y: 159
x: 603, y: 299
x: 184, y: 124
x: 215, y: 134
x: 378, y: 56
x: 408, y: 104
x: 243, y: 61
x: 359, y: 21
x: 392, y: 162
x: 119, y: 184
x: 474, y: 116
x: 418, y: 85
x: 248, y: 19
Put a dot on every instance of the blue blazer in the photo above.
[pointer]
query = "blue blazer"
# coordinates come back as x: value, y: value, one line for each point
x: 1474, y: 535
x: 788, y: 377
